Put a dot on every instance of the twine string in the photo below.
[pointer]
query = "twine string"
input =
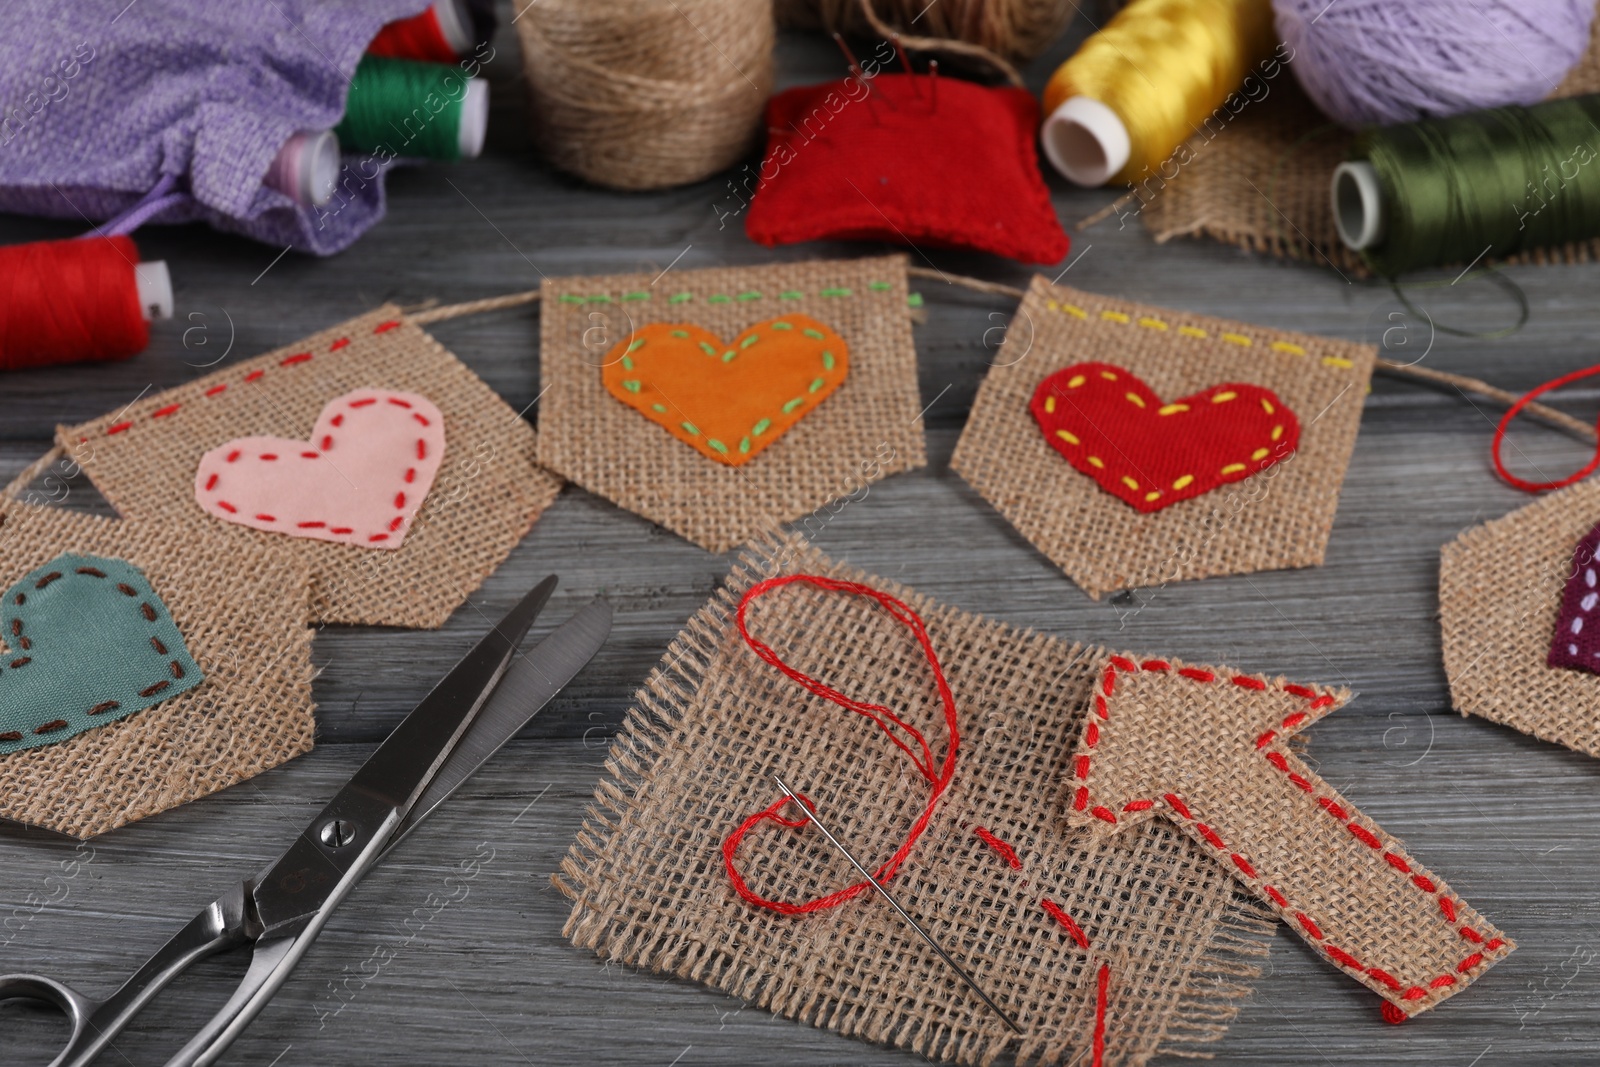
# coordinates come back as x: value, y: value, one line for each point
x: 1471, y: 386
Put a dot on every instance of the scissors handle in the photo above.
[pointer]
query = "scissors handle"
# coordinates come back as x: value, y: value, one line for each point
x: 95, y: 1023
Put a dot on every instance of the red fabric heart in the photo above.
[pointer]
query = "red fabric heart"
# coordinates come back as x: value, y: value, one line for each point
x: 917, y: 160
x: 1111, y: 426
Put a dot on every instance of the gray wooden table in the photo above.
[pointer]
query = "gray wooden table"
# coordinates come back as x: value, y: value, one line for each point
x: 488, y: 978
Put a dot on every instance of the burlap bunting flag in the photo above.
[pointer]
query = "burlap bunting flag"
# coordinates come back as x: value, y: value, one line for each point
x: 1501, y: 587
x: 151, y: 463
x: 1085, y: 517
x: 653, y: 452
x: 1032, y: 908
x: 243, y: 626
x: 1262, y: 180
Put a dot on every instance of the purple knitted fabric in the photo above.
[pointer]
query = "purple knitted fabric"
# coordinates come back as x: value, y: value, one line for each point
x: 101, y: 100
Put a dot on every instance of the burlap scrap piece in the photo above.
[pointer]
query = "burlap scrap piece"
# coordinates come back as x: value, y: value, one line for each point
x: 485, y: 497
x: 867, y: 429
x: 1500, y: 587
x: 1259, y: 179
x: 1208, y: 749
x: 713, y: 722
x: 246, y: 628
x: 1280, y: 517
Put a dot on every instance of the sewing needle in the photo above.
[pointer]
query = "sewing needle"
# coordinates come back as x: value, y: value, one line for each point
x: 811, y: 813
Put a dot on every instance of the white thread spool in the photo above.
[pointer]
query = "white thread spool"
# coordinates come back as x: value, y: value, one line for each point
x: 1086, y: 141
x: 306, y: 168
x: 1358, y: 205
x: 154, y: 283
x: 474, y: 118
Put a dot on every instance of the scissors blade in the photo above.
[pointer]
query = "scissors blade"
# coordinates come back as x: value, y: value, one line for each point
x: 531, y: 682
x: 349, y: 834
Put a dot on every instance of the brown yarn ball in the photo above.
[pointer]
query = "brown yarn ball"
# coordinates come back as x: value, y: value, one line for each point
x: 644, y: 94
x: 1017, y: 30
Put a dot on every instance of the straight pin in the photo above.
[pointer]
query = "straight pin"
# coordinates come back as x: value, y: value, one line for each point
x: 811, y: 813
x: 855, y: 68
x: 905, y: 63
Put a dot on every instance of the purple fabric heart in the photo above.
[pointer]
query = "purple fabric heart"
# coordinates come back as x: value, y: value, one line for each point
x: 103, y: 100
x: 1576, y: 644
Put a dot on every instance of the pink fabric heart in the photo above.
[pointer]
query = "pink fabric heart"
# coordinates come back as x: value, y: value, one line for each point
x: 360, y: 480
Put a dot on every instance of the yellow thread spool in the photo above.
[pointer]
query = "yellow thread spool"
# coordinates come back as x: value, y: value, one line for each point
x: 1148, y: 81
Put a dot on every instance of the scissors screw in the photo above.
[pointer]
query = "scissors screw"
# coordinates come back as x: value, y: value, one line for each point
x: 336, y: 833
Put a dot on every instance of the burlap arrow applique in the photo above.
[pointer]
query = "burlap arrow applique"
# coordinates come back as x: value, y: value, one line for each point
x: 1205, y: 748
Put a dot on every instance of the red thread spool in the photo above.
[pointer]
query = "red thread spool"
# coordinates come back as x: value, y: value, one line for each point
x: 77, y: 300
x: 441, y: 34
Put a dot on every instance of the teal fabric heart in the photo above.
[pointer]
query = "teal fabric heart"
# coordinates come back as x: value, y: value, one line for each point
x: 88, y: 642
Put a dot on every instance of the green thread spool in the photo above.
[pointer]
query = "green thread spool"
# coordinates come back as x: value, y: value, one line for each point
x: 1486, y: 184
x: 397, y: 108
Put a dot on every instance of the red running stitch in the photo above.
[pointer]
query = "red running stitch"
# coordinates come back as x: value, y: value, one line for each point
x: 1006, y: 852
x: 288, y: 361
x: 939, y: 777
x: 1277, y: 760
x: 1059, y: 914
x: 326, y: 444
x: 1101, y: 997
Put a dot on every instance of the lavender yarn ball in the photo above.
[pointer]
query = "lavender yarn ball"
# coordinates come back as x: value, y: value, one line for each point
x: 1388, y: 61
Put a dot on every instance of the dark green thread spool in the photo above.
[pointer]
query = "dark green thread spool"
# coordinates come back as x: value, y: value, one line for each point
x: 1483, y: 185
x: 400, y: 108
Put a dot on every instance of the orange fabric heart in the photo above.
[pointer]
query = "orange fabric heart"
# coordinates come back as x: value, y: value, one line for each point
x: 729, y: 400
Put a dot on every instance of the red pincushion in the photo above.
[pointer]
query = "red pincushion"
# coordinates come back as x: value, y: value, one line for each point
x: 920, y: 160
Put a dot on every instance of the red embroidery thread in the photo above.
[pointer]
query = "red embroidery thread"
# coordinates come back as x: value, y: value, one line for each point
x: 215, y: 390
x: 1102, y: 997
x: 1515, y: 409
x: 922, y: 758
x: 1006, y: 852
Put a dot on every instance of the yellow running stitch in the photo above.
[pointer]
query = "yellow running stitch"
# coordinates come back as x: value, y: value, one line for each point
x: 1152, y: 323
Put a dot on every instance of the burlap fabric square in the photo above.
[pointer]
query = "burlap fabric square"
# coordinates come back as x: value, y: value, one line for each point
x: 245, y: 626
x: 867, y: 429
x: 1262, y: 182
x: 1033, y: 909
x: 1279, y: 517
x: 1500, y: 587
x: 1209, y: 749
x: 485, y: 496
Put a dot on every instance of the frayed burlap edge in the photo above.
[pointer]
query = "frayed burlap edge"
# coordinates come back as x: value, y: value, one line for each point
x: 1218, y: 978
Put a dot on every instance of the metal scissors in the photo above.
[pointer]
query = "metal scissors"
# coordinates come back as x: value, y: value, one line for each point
x: 485, y: 699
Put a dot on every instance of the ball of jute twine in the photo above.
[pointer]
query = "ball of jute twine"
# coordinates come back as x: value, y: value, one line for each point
x: 1017, y: 30
x: 644, y: 94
